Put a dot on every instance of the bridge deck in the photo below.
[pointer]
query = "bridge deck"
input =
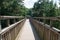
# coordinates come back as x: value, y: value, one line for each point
x: 27, y: 32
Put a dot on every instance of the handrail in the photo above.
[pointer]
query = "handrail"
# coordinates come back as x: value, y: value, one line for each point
x: 50, y: 18
x: 7, y: 19
x: 10, y: 27
x: 45, y: 31
x: 11, y: 32
x: 10, y: 17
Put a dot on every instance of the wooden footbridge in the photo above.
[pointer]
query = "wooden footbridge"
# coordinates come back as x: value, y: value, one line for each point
x: 22, y: 28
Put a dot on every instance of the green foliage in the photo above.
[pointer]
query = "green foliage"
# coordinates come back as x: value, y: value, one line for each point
x: 12, y: 7
x: 46, y: 8
x: 56, y: 24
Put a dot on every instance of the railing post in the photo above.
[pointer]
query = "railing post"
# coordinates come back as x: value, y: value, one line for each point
x: 44, y: 21
x: 0, y: 37
x: 0, y: 25
x: 8, y: 22
x: 39, y: 19
x: 14, y: 20
x: 51, y: 23
x: 44, y: 29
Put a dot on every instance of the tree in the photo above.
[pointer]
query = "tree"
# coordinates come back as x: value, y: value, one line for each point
x: 12, y: 7
x: 44, y: 8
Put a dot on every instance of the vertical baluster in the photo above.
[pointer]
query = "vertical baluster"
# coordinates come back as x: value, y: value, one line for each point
x: 3, y: 36
x: 59, y: 37
x: 50, y: 30
x: 0, y: 37
x: 9, y: 36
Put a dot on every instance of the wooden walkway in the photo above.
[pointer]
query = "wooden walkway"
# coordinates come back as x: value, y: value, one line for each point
x: 27, y: 32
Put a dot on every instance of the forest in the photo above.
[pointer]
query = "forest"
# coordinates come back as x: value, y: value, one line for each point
x: 46, y: 8
x: 41, y: 8
x: 12, y: 8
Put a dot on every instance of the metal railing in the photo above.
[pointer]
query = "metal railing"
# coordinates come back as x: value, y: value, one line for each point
x: 11, y: 31
x: 46, y: 32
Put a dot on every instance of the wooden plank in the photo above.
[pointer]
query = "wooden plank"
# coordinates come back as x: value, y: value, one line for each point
x: 27, y: 32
